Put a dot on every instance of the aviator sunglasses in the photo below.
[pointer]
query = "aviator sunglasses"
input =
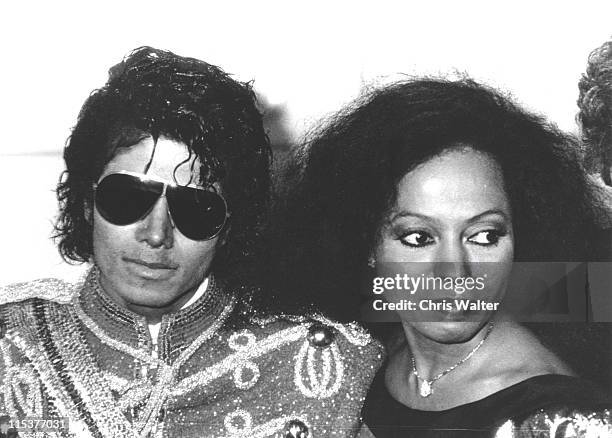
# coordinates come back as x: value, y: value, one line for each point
x: 124, y: 198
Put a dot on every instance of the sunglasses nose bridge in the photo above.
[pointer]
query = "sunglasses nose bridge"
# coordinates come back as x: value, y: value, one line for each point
x: 168, y: 209
x: 164, y: 189
x: 157, y: 227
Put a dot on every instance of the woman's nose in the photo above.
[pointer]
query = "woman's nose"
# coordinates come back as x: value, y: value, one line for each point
x: 157, y: 229
x: 452, y: 260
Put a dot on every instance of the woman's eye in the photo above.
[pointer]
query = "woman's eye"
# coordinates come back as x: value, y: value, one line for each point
x: 486, y: 238
x: 417, y: 239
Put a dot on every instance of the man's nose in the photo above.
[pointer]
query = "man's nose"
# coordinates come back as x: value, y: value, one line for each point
x: 157, y: 229
x: 452, y: 261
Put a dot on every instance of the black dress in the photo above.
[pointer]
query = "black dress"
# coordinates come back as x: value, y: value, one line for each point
x: 534, y: 405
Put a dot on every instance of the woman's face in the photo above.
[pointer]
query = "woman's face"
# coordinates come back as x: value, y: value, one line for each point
x: 452, y: 221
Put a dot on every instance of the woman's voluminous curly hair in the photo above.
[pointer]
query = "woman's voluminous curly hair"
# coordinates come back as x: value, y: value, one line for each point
x: 155, y: 93
x: 344, y: 182
x: 595, y: 116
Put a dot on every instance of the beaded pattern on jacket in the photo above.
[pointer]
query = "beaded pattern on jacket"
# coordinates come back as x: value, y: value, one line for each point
x: 58, y: 342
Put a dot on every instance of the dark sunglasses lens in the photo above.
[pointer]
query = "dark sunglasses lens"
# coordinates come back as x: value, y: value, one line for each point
x: 198, y: 214
x: 125, y: 199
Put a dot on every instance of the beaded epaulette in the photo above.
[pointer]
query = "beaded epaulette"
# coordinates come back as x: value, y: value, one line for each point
x: 50, y: 289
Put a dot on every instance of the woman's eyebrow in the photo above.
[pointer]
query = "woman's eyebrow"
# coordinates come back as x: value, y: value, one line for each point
x: 493, y: 211
x: 406, y: 213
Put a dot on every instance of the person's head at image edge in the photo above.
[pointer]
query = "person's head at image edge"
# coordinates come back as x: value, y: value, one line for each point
x: 352, y: 174
x: 595, y: 115
x: 194, y: 136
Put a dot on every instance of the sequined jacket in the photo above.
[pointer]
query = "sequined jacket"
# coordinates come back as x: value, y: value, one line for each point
x: 68, y: 351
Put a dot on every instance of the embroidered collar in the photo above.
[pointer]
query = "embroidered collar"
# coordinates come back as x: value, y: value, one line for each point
x: 178, y: 329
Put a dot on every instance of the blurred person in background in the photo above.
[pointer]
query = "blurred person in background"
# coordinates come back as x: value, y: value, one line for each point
x: 595, y: 119
x: 595, y: 116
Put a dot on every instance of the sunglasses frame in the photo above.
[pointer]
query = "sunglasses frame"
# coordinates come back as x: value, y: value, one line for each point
x: 144, y: 177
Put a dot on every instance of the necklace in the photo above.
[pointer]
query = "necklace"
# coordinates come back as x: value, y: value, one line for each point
x: 426, y: 387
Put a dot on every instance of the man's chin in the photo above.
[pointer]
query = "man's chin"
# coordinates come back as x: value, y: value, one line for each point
x: 154, y: 299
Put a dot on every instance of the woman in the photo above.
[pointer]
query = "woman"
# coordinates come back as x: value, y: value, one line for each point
x: 432, y: 179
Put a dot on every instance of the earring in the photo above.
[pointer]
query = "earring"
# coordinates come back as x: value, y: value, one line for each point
x: 371, y: 262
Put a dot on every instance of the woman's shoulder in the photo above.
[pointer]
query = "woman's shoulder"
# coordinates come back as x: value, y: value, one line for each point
x: 554, y: 391
x: 519, y: 355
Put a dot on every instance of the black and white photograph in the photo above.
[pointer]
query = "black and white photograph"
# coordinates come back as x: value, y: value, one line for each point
x: 306, y: 219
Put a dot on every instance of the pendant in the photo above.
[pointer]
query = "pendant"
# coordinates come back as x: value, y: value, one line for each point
x: 426, y: 390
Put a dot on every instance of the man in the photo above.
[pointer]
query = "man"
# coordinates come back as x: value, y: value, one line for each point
x: 165, y: 190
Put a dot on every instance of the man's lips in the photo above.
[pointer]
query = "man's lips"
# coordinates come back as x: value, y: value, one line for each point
x: 152, y: 264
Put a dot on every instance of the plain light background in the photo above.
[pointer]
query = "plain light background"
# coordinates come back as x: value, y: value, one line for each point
x: 308, y: 58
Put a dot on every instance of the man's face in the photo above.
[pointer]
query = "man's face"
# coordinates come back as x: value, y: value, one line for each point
x: 149, y: 266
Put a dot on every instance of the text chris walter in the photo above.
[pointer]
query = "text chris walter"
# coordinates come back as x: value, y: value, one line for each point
x: 437, y: 305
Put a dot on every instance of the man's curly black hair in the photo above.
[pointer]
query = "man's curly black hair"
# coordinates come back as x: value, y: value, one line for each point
x: 155, y: 93
x: 595, y: 116
x: 344, y: 181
